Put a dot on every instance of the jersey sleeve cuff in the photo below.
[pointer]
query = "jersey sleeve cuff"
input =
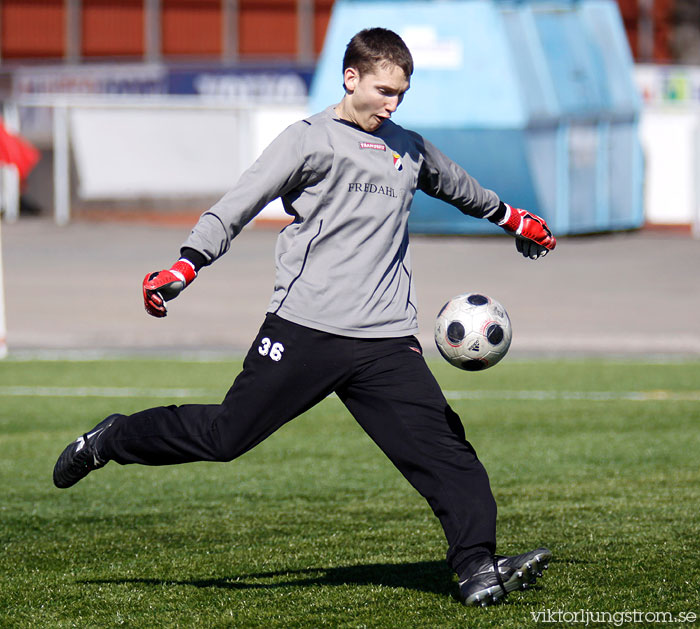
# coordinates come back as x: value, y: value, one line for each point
x: 196, y: 259
x: 500, y: 214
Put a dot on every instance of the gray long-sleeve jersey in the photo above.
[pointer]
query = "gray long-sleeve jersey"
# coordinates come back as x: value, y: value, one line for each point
x: 344, y: 264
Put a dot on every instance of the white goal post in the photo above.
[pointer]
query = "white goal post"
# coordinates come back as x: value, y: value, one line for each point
x: 9, y: 203
x: 3, y: 324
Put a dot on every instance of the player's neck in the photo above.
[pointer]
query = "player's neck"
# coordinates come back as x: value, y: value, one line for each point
x: 345, y: 112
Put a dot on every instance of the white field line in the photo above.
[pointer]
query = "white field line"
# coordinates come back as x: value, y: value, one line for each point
x: 597, y: 396
x: 175, y: 392
x: 147, y: 392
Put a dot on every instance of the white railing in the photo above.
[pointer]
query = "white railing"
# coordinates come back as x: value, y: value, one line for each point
x: 9, y: 192
x: 252, y: 134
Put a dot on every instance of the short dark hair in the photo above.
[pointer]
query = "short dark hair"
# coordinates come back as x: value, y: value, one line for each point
x: 377, y: 46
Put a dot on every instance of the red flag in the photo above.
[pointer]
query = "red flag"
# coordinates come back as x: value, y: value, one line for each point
x: 16, y: 150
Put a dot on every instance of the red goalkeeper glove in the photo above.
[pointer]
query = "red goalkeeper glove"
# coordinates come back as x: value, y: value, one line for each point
x: 162, y: 286
x: 532, y: 236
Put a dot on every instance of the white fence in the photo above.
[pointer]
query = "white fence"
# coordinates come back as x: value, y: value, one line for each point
x: 126, y: 147
x: 670, y: 135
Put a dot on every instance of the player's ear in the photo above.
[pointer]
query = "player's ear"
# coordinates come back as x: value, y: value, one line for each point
x: 351, y: 77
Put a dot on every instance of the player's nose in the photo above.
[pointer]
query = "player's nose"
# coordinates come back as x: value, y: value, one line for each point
x: 391, y: 104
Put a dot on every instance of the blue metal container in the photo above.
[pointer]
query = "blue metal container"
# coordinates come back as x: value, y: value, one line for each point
x: 534, y: 99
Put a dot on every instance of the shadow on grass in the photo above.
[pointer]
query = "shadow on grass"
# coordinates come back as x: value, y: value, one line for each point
x: 425, y: 576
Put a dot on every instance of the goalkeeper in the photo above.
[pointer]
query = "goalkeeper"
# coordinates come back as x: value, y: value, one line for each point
x: 342, y: 317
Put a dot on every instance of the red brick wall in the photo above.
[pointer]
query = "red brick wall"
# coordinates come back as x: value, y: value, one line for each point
x: 112, y: 28
x: 267, y: 28
x: 662, y: 16
x: 322, y: 15
x: 191, y: 28
x: 32, y: 28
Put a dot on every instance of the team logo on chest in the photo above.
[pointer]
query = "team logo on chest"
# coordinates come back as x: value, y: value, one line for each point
x: 398, y: 164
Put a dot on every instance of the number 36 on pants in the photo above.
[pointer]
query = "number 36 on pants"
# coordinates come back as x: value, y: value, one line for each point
x: 273, y: 350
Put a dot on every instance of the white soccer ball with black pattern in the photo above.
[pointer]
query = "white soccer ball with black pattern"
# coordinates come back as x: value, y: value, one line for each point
x: 473, y: 331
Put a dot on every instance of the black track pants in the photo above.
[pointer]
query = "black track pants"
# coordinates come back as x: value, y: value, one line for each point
x: 385, y: 384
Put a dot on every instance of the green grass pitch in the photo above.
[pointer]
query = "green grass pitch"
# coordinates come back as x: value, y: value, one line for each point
x: 314, y: 528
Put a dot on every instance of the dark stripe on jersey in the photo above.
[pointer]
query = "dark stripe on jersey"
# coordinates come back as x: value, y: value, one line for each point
x: 303, y: 264
x: 225, y: 248
x: 408, y: 297
x: 409, y: 273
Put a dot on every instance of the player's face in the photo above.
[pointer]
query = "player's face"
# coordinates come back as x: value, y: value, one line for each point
x: 372, y: 97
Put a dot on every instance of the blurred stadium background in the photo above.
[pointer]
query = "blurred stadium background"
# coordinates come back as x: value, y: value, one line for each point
x: 146, y: 111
